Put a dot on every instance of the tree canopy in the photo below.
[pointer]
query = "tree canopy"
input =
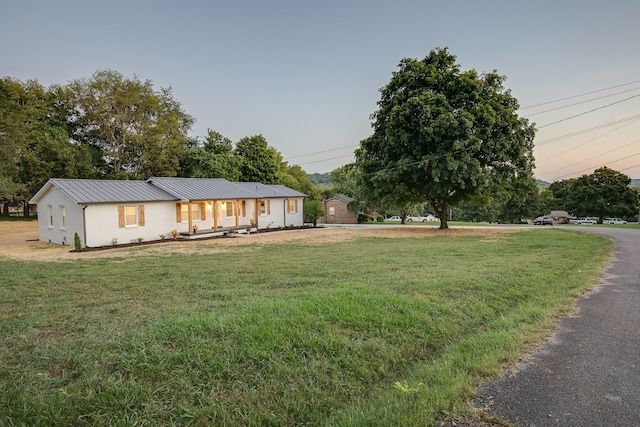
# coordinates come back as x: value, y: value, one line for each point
x: 605, y: 193
x: 112, y: 127
x: 139, y: 131
x: 443, y: 135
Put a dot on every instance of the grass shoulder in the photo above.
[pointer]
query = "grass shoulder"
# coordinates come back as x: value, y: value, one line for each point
x: 374, y: 331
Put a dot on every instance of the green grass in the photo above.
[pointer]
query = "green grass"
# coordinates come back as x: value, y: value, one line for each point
x: 375, y: 331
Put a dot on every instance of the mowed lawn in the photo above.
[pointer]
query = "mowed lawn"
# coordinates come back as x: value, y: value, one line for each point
x: 373, y: 331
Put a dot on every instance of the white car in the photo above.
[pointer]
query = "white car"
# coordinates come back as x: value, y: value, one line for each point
x: 394, y: 218
x: 613, y: 221
x: 411, y: 218
x: 583, y: 221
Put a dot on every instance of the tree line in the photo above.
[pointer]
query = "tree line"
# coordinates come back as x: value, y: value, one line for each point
x: 111, y: 127
x: 445, y: 141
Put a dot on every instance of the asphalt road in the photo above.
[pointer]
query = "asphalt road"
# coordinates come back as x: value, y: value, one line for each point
x: 589, y: 375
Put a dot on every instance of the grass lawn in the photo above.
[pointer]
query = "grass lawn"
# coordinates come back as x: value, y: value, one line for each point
x: 374, y: 331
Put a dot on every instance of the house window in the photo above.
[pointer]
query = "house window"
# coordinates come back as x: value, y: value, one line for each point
x: 50, y: 216
x: 292, y: 206
x: 184, y: 211
x: 229, y: 208
x: 262, y: 207
x: 130, y: 216
x: 195, y: 211
x: 332, y: 210
x: 63, y: 217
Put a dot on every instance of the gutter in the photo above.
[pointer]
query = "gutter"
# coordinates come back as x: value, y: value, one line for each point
x: 84, y: 225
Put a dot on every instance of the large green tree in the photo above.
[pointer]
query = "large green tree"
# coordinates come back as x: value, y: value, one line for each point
x: 605, y: 193
x: 214, y: 158
x: 443, y: 135
x: 259, y: 161
x: 34, y: 142
x: 138, y: 131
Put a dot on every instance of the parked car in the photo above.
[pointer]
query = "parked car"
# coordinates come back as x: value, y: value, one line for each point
x: 417, y: 218
x: 543, y: 220
x: 583, y: 221
x: 394, y: 218
x: 613, y: 221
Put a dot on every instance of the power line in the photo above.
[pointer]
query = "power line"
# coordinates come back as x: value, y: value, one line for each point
x: 523, y: 108
x: 589, y: 141
x: 558, y: 138
x: 579, y: 95
x: 326, y: 160
x: 324, y: 151
x: 582, y: 102
x: 591, y: 158
x: 601, y: 165
x: 587, y: 112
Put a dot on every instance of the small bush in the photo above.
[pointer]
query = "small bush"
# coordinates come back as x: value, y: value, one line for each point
x: 76, y: 242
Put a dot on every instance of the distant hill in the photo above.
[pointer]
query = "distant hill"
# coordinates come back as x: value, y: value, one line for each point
x: 542, y: 185
x: 320, y: 179
x: 635, y: 182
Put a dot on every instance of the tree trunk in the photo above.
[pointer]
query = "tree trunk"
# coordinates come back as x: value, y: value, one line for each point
x: 403, y: 216
x: 440, y: 207
x: 25, y: 209
x: 444, y: 216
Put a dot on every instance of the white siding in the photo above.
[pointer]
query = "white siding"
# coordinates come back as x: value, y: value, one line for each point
x: 56, y: 233
x: 102, y: 223
x: 279, y: 217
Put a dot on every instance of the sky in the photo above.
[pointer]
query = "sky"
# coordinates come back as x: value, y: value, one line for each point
x: 306, y: 74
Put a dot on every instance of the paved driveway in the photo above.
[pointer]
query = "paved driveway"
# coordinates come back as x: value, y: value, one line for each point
x: 590, y: 374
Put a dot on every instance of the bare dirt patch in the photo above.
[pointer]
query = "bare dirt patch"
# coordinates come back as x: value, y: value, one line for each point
x: 20, y: 241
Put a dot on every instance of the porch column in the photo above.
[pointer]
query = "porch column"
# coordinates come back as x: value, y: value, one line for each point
x: 215, y: 214
x: 237, y: 211
x: 190, y: 219
x: 255, y: 212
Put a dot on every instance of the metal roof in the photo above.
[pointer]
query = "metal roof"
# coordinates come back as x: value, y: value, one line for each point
x: 203, y: 188
x: 162, y: 189
x: 270, y: 191
x: 105, y: 191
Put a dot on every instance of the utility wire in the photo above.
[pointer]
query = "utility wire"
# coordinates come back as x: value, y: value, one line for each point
x: 579, y: 95
x: 325, y: 160
x: 558, y: 138
x: 589, y: 141
x: 523, y: 108
x: 601, y: 165
x: 596, y: 156
x: 587, y: 112
x: 324, y: 151
x: 582, y: 102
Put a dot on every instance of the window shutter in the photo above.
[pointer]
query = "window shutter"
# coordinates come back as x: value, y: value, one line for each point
x: 141, y: 215
x: 268, y: 207
x: 244, y: 208
x: 203, y: 211
x: 296, y: 205
x: 178, y: 212
x: 120, y: 216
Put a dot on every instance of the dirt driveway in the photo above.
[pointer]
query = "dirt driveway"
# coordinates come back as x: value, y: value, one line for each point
x: 21, y: 240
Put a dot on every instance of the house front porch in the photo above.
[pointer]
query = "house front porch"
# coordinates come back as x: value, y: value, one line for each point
x: 220, y: 231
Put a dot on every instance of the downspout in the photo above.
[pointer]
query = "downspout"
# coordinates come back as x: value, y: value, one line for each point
x: 84, y: 225
x: 285, y: 212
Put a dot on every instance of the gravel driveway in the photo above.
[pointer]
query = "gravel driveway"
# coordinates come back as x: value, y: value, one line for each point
x: 589, y: 375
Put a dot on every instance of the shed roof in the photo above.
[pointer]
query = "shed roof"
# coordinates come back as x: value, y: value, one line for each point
x: 105, y: 191
x: 342, y: 198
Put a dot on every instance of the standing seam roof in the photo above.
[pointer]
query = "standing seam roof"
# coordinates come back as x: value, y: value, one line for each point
x: 110, y: 191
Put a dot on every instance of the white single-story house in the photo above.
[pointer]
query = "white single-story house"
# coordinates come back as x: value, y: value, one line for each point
x: 105, y: 212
